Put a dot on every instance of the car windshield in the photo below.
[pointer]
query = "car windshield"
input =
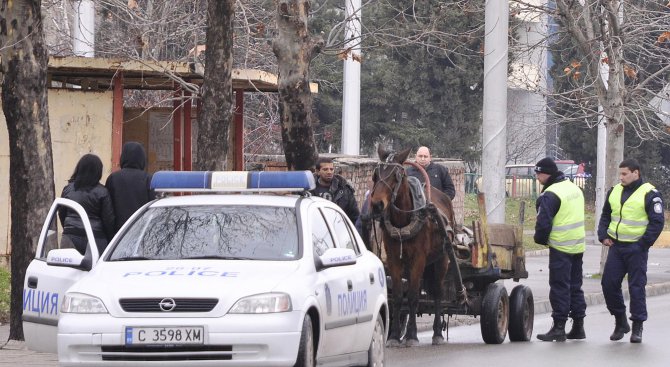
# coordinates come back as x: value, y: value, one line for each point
x: 210, y: 232
x: 568, y: 169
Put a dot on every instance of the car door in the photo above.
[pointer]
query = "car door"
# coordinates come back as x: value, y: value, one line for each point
x: 331, y: 285
x: 356, y: 304
x: 45, y: 285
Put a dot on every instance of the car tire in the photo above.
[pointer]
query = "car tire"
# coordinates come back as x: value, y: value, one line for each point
x: 521, y: 314
x: 495, y: 314
x: 306, y: 353
x: 376, y: 353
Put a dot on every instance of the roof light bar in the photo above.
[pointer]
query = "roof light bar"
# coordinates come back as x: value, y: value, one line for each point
x: 232, y: 181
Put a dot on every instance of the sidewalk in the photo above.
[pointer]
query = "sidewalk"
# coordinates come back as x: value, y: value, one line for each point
x: 537, y: 265
x: 658, y: 274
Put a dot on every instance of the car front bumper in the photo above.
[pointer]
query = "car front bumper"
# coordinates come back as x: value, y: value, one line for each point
x: 241, y: 340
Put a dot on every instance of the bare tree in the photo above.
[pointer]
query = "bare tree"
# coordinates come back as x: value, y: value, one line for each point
x: 217, y: 92
x: 295, y: 48
x: 23, y: 67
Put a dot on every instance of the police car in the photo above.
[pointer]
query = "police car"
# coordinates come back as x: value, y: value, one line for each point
x: 216, y: 276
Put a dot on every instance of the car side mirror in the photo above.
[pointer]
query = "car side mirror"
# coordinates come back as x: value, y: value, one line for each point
x: 336, y: 257
x: 70, y: 258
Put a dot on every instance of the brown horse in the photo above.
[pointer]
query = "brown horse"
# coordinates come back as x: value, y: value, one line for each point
x: 415, y: 240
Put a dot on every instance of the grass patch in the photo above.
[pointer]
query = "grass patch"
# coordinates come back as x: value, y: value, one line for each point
x: 4, y: 295
x: 512, y: 216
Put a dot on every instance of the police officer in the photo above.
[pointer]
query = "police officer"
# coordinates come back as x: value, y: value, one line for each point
x: 335, y: 188
x: 631, y: 221
x: 560, y: 225
x: 437, y: 174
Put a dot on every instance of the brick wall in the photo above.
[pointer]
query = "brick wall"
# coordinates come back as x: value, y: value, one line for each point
x: 358, y: 170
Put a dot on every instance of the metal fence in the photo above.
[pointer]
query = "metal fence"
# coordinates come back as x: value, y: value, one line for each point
x: 516, y: 186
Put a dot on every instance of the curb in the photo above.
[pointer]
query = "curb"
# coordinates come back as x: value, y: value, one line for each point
x: 592, y: 299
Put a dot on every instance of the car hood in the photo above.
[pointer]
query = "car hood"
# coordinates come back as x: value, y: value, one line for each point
x: 226, y: 280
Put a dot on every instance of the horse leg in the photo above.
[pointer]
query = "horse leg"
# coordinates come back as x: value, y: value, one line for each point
x: 396, y: 300
x: 413, y: 292
x: 439, y: 290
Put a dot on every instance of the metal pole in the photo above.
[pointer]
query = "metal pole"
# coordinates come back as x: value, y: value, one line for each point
x: 351, y: 103
x: 495, y: 108
x: 83, y: 28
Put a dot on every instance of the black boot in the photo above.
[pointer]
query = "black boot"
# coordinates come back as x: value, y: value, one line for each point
x: 577, y: 331
x: 557, y: 332
x: 636, y: 336
x: 620, y: 328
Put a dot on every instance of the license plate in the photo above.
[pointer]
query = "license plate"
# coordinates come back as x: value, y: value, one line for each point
x: 168, y: 335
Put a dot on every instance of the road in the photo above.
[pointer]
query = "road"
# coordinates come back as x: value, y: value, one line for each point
x: 466, y: 348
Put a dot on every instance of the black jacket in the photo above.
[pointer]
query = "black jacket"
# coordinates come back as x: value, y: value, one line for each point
x: 98, y: 206
x: 547, y: 205
x: 656, y: 218
x: 342, y: 194
x: 439, y: 178
x: 129, y: 186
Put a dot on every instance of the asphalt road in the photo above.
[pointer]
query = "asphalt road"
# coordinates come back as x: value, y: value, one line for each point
x: 466, y: 348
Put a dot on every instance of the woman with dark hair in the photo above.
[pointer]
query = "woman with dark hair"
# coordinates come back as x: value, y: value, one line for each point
x: 84, y: 187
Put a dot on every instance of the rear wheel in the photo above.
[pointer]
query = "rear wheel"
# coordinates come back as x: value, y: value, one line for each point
x: 495, y: 314
x: 521, y: 314
x: 376, y: 353
x: 306, y: 357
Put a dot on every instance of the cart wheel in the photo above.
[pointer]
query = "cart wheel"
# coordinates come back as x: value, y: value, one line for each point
x: 521, y: 314
x: 495, y: 314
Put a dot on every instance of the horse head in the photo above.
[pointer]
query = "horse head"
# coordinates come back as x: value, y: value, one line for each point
x: 388, y: 177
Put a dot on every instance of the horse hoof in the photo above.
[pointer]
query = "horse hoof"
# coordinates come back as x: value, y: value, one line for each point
x: 393, y: 343
x: 437, y: 340
x: 411, y: 343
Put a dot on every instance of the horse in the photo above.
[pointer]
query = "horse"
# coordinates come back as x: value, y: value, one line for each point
x: 415, y: 240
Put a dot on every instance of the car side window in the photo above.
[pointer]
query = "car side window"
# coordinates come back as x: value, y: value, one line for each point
x: 321, y: 237
x: 340, y: 228
x: 55, y: 238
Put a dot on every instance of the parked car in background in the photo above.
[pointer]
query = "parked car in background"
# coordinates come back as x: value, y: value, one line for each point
x: 520, y: 179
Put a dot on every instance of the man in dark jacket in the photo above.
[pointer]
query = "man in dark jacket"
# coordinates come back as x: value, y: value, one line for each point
x: 129, y: 187
x: 560, y: 225
x: 438, y: 175
x: 335, y: 188
x: 631, y: 221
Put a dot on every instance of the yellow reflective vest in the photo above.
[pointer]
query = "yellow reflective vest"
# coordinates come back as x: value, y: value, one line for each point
x: 629, y: 221
x: 567, y: 229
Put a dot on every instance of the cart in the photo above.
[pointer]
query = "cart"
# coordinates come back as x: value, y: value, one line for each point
x: 485, y: 254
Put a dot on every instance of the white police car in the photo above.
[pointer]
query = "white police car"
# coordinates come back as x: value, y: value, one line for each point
x: 212, y: 279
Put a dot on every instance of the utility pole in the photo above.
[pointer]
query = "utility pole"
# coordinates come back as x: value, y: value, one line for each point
x: 83, y: 28
x: 351, y: 103
x: 494, y: 126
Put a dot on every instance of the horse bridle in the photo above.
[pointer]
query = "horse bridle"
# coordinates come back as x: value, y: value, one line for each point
x: 397, y: 170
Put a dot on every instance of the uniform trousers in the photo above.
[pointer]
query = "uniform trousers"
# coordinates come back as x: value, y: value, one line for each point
x: 565, y: 285
x: 622, y: 259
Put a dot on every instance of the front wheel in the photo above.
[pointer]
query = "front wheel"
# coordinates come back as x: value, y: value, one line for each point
x: 376, y: 353
x: 306, y: 357
x: 495, y: 314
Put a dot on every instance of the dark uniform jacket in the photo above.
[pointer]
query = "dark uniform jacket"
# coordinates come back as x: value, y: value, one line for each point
x: 342, y: 194
x: 439, y: 178
x: 98, y: 206
x: 656, y: 220
x: 129, y: 186
x: 547, y: 205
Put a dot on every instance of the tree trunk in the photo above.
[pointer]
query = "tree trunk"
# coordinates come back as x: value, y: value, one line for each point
x: 24, y: 102
x: 217, y: 88
x: 295, y: 48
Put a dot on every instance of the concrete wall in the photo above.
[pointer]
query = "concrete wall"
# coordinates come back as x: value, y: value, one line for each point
x: 80, y: 122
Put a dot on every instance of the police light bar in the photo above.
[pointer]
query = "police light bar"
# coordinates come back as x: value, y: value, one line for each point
x: 232, y: 181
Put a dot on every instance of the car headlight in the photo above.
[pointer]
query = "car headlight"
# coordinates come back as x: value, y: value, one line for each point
x: 82, y: 303
x: 263, y: 303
